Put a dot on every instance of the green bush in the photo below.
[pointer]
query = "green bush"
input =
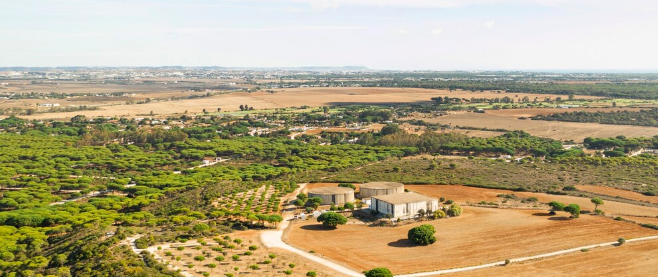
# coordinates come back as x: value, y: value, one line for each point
x: 379, y: 272
x: 422, y: 235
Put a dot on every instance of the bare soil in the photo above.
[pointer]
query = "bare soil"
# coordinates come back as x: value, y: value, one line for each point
x: 632, y: 259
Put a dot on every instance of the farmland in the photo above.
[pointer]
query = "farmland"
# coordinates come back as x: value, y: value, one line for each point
x: 297, y: 97
x: 549, y: 129
x: 600, y: 262
x: 481, y: 234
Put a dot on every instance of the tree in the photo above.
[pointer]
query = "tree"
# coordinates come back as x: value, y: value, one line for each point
x: 597, y: 201
x: 573, y: 209
x: 455, y: 210
x: 556, y: 207
x: 275, y: 218
x: 421, y: 214
x: 348, y: 206
x: 314, y: 200
x: 621, y: 241
x: 379, y: 272
x: 242, y: 107
x: 423, y: 234
x: 298, y: 203
x: 201, y: 227
x: 331, y: 219
x: 438, y: 214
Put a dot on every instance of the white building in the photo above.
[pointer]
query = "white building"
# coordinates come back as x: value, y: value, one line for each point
x: 403, y: 205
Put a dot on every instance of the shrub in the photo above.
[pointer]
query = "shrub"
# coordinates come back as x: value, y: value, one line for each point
x: 218, y: 249
x: 438, y: 214
x: 422, y: 235
x: 311, y: 274
x: 291, y: 265
x: 253, y: 247
x: 248, y: 253
x: 211, y: 265
x: 346, y: 185
x: 235, y: 257
x: 455, y: 210
x: 621, y: 241
x: 507, y: 261
x: 238, y: 241
x: 272, y: 256
x: 288, y: 272
x: 180, y: 248
x: 379, y: 272
x: 199, y: 258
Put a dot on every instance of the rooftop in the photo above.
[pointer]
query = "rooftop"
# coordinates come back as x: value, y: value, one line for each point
x: 381, y: 185
x: 403, y: 198
x: 330, y: 190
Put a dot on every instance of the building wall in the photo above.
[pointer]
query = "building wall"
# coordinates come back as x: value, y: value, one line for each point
x: 403, y: 211
x: 366, y: 193
x: 338, y: 199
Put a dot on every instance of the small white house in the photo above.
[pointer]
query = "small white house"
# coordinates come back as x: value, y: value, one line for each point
x: 403, y: 205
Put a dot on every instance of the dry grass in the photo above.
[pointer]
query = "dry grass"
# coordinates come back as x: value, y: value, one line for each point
x: 480, y: 235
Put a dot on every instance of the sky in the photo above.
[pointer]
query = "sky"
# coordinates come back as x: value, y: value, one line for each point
x: 379, y: 34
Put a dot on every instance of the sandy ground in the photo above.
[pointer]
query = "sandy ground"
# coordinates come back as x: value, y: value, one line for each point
x: 463, y: 194
x: 618, y: 192
x: 287, y: 98
x: 549, y: 129
x: 636, y: 259
x: 479, y: 236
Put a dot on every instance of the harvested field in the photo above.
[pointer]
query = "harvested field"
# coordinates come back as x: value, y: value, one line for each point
x: 632, y: 259
x: 464, y: 194
x: 480, y: 235
x: 549, y: 129
x: 275, y: 268
x: 618, y: 192
x: 286, y: 98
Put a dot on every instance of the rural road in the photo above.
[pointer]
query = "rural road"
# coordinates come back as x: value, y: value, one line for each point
x: 275, y: 239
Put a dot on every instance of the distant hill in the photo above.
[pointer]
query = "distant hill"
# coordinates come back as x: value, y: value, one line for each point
x: 302, y: 68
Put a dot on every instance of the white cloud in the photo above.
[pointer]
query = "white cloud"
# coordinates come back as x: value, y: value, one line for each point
x: 399, y: 31
x: 437, y: 31
x: 489, y: 24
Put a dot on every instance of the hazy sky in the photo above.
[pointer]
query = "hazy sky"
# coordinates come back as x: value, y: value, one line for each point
x: 380, y: 34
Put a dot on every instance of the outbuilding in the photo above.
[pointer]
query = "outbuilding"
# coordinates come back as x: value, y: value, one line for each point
x: 380, y: 188
x: 336, y: 195
x: 403, y: 205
